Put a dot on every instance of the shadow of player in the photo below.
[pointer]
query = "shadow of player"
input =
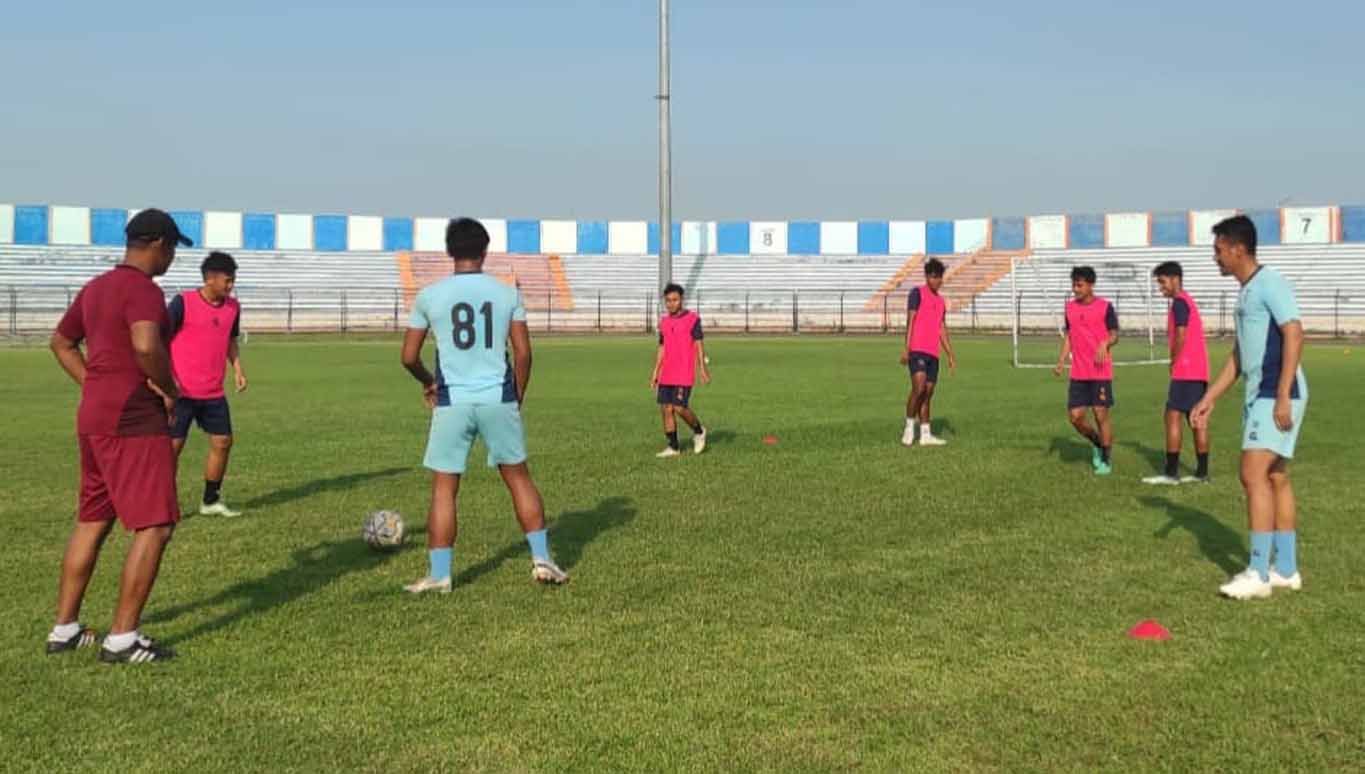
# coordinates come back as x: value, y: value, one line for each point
x: 570, y: 533
x: 1218, y: 543
x: 1068, y: 450
x: 319, y: 486
x: 1156, y: 458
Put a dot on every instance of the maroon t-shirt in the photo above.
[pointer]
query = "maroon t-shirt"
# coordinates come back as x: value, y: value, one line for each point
x: 115, y: 399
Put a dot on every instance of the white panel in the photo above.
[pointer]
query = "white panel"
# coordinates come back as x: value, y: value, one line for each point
x: 559, y: 237
x: 970, y: 235
x: 1202, y: 223
x: 768, y: 237
x: 839, y: 237
x: 1306, y: 226
x: 628, y: 237
x: 294, y: 232
x: 429, y: 235
x: 1047, y: 232
x: 699, y: 238
x: 1127, y: 229
x: 364, y: 232
x: 223, y: 229
x: 70, y: 225
x: 497, y: 234
x: 6, y: 223
x: 907, y: 237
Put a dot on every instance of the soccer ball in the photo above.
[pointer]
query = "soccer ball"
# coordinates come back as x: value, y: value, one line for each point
x: 383, y: 530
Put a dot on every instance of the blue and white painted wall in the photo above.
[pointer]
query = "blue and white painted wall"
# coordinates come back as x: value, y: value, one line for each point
x: 268, y: 231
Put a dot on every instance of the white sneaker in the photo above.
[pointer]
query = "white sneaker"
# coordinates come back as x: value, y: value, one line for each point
x: 1194, y: 479
x: 668, y: 451
x: 424, y: 585
x: 1246, y: 584
x: 699, y: 442
x: 1161, y: 480
x: 908, y: 437
x: 929, y: 439
x: 217, y: 509
x: 1278, y: 581
x: 545, y: 571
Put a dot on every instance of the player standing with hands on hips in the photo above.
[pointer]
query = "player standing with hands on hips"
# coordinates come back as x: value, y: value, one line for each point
x: 926, y: 329
x: 680, y: 354
x: 1268, y: 350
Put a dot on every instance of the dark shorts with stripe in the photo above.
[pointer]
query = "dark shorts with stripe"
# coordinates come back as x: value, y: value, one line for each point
x: 925, y: 364
x: 211, y: 415
x: 1085, y: 393
x: 673, y: 395
x: 1184, y: 394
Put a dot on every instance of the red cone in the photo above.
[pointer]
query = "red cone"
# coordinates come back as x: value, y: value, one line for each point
x: 1149, y: 630
x: 771, y: 440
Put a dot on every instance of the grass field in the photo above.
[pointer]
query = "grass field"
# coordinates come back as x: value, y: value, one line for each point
x: 832, y: 602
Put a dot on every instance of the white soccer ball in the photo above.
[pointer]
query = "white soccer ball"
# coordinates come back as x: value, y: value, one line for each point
x: 383, y: 530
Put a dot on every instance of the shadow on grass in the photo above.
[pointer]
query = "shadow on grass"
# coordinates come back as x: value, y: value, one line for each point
x: 1068, y: 450
x: 944, y: 427
x: 1156, y: 458
x: 312, y: 569
x: 1218, y: 543
x: 720, y: 437
x: 570, y: 533
x: 320, y: 486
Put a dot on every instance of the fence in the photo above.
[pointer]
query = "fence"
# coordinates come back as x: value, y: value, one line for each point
x: 30, y: 309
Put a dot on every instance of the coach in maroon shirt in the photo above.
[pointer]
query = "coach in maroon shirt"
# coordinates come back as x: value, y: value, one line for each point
x: 127, y: 464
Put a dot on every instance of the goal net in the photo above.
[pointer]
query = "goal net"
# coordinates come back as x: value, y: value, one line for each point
x: 1040, y: 288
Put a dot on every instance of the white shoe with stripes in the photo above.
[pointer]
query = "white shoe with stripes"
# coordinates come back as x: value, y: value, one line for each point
x: 144, y: 650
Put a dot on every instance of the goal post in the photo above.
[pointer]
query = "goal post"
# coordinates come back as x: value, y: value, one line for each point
x: 1040, y: 288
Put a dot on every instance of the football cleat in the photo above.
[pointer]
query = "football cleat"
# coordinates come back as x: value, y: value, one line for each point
x: 547, y: 572
x: 1246, y: 584
x: 81, y: 639
x: 424, y: 585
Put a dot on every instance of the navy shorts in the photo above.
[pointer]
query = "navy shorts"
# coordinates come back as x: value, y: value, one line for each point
x: 1184, y: 394
x: 671, y: 395
x: 1085, y: 393
x: 211, y: 415
x: 925, y: 364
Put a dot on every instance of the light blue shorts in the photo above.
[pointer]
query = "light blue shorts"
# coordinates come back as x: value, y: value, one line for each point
x: 454, y: 428
x: 1260, y: 432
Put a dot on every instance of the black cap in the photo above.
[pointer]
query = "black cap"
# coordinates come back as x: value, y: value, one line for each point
x: 155, y: 224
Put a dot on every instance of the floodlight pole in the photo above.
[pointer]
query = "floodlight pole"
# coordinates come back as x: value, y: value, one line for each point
x: 665, y: 156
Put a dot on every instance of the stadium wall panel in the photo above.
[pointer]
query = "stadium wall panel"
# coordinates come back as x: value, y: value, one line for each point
x: 70, y: 225
x: 1170, y: 229
x: 557, y: 237
x: 365, y: 232
x: 1307, y: 225
x: 497, y: 234
x: 803, y: 237
x: 653, y: 238
x: 874, y: 237
x: 190, y: 223
x: 523, y: 237
x: 908, y: 237
x: 628, y: 237
x: 1085, y: 231
x: 329, y: 233
x: 1009, y: 234
x: 6, y: 223
x: 971, y: 235
x: 732, y: 238
x: 30, y: 225
x: 1202, y: 223
x: 429, y: 235
x: 258, y: 231
x: 1047, y: 232
x: 838, y: 237
x: 223, y: 230
x: 698, y: 238
x: 593, y: 238
x: 1268, y: 223
x: 397, y: 234
x: 1352, y: 224
x: 768, y: 237
x: 294, y: 232
x: 938, y: 237
x: 1127, y: 229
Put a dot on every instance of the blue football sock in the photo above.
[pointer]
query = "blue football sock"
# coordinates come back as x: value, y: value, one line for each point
x: 539, y: 545
x: 1260, y: 553
x: 440, y: 562
x: 1286, y: 556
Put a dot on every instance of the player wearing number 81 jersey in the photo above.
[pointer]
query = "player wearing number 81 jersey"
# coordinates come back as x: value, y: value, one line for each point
x: 475, y: 392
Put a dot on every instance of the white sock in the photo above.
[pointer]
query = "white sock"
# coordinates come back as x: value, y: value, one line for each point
x: 909, y: 423
x: 116, y: 642
x: 924, y: 429
x: 65, y: 631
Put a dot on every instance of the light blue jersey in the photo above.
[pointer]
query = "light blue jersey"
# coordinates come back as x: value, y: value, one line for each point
x: 469, y: 315
x: 1265, y: 303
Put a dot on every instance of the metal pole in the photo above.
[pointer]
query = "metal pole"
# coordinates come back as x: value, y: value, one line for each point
x: 746, y: 311
x: 395, y: 309
x: 1336, y: 314
x: 886, y: 319
x: 289, y: 314
x: 841, y: 311
x: 796, y: 323
x: 665, y: 156
x: 549, y: 309
x: 1014, y: 294
x: 14, y: 311
x: 599, y: 311
x: 343, y: 311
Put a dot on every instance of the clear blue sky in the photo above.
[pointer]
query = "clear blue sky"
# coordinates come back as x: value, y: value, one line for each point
x: 782, y: 110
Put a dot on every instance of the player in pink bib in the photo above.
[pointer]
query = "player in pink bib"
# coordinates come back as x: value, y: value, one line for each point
x: 204, y: 327
x: 1189, y: 375
x: 675, y: 368
x: 1092, y: 327
x: 926, y: 329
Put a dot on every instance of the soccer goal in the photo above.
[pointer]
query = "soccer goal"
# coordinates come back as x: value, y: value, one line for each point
x: 1040, y: 288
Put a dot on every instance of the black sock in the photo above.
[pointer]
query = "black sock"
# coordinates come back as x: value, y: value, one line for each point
x: 696, y: 429
x: 1172, y: 464
x: 211, y: 491
x: 1202, y: 470
x: 1104, y: 454
x: 672, y: 439
x: 1095, y: 439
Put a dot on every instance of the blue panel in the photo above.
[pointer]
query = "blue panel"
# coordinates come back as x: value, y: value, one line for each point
x: 106, y: 227
x: 1170, y: 229
x: 1008, y: 234
x: 191, y: 224
x: 1267, y: 226
x: 938, y: 237
x: 592, y: 237
x: 397, y: 234
x: 258, y: 231
x: 803, y: 238
x: 652, y: 238
x: 1353, y: 224
x: 732, y: 238
x: 30, y: 225
x: 523, y: 236
x: 329, y: 233
x: 874, y: 237
x: 1085, y: 231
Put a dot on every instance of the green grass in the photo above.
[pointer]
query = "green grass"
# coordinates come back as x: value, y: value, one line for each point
x: 832, y: 602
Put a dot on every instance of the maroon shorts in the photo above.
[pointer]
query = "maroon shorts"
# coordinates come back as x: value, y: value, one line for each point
x: 128, y: 476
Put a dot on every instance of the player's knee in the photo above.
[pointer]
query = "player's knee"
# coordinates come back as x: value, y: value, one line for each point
x: 1279, y: 479
x: 220, y: 442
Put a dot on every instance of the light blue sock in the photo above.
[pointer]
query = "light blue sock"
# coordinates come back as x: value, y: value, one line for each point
x: 1286, y: 556
x: 1260, y: 553
x: 539, y: 545
x: 440, y: 562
